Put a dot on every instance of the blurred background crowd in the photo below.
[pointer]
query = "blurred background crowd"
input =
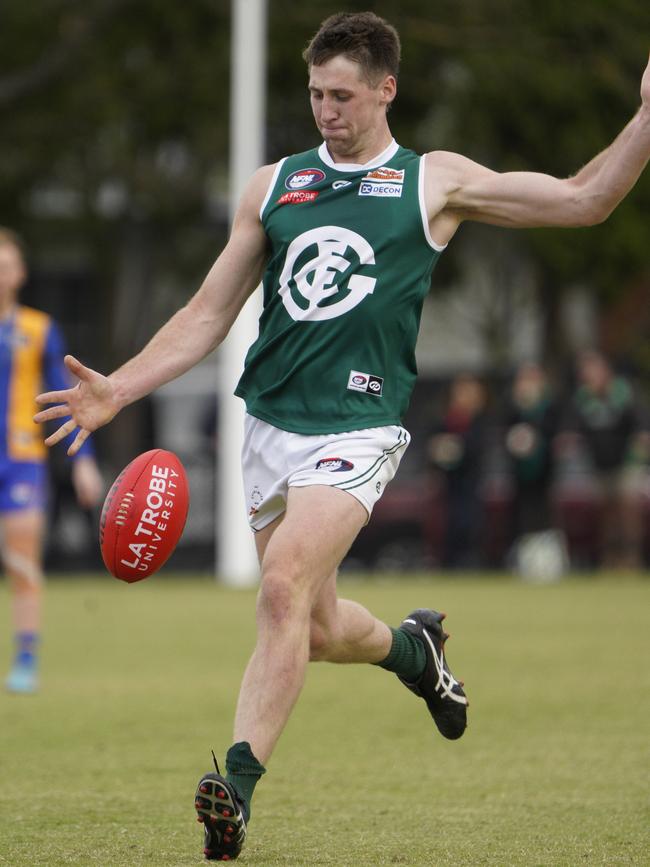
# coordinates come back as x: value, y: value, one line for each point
x: 524, y: 474
x: 529, y: 421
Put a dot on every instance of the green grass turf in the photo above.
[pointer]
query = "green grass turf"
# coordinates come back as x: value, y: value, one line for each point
x: 140, y: 682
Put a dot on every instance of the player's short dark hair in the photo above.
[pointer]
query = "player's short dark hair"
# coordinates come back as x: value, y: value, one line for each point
x: 13, y: 239
x: 360, y: 36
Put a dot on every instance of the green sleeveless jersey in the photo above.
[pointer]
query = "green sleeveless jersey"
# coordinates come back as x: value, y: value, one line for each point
x: 349, y: 267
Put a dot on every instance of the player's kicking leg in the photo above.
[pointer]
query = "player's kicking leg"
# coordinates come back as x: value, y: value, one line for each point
x: 298, y: 554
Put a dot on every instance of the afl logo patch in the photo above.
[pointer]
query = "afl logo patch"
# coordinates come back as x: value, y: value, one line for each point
x: 304, y: 178
x: 358, y: 381
x: 335, y: 465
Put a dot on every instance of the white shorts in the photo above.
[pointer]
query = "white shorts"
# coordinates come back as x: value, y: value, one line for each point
x: 361, y: 462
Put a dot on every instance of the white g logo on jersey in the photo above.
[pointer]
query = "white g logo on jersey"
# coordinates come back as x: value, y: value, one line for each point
x: 316, y: 280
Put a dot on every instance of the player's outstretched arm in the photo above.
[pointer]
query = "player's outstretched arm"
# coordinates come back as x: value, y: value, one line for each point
x: 191, y: 333
x: 527, y: 199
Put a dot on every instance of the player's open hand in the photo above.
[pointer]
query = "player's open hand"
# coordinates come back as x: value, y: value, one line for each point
x: 90, y: 404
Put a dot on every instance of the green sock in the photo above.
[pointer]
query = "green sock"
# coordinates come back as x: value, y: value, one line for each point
x: 243, y: 771
x: 407, y: 657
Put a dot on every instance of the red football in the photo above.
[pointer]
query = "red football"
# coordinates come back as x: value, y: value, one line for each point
x: 143, y: 516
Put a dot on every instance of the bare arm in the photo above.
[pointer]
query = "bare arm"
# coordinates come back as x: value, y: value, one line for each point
x: 469, y: 191
x: 191, y: 333
x: 87, y: 481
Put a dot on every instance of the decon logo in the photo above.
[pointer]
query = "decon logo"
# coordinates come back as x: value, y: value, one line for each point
x: 366, y: 382
x: 381, y: 190
x: 383, y: 182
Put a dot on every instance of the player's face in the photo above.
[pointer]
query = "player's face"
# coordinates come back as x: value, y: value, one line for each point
x: 12, y: 273
x: 347, y: 109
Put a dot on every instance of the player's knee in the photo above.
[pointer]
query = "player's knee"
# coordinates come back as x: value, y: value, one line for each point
x: 279, y: 601
x: 24, y: 572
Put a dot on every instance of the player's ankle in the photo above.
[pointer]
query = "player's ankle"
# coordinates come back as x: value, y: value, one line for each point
x: 407, y: 657
x: 243, y: 771
x: 26, y: 644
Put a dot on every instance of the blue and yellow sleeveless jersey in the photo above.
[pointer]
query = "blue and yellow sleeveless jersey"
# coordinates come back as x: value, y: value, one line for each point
x: 31, y: 361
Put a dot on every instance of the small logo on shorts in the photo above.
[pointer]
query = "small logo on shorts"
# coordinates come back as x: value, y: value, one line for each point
x: 22, y: 493
x: 358, y: 381
x: 335, y: 465
x: 256, y: 500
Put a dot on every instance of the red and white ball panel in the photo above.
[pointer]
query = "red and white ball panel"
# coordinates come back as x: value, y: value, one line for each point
x: 144, y: 515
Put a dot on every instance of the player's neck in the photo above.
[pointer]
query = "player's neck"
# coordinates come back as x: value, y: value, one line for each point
x: 7, y: 309
x: 361, y: 152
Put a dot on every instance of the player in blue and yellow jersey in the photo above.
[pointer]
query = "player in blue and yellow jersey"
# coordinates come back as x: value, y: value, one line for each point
x: 31, y: 356
x: 344, y: 238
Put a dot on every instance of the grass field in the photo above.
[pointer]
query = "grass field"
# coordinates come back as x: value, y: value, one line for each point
x: 140, y: 682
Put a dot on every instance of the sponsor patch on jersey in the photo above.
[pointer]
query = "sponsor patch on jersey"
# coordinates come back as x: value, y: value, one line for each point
x: 298, y: 197
x: 335, y: 465
x: 304, y: 178
x: 367, y: 382
x: 338, y: 185
x: 384, y: 183
x: 395, y: 176
x: 381, y: 189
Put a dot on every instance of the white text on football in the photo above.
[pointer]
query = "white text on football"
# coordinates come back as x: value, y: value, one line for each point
x: 153, y: 520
